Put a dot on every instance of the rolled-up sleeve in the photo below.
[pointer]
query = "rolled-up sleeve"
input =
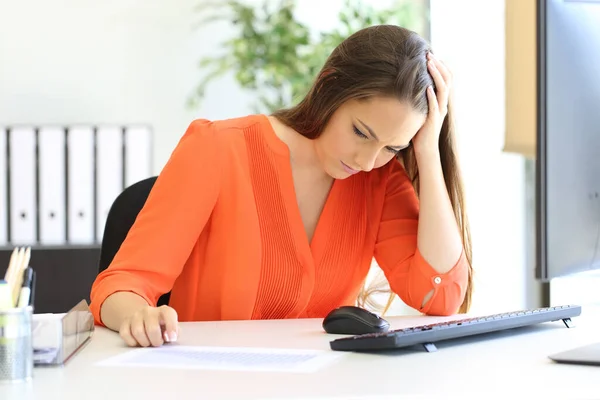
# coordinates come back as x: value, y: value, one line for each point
x: 409, y: 274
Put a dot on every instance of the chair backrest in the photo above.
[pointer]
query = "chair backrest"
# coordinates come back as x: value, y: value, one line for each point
x: 121, y: 216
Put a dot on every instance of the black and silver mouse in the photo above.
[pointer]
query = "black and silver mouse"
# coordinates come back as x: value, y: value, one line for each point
x: 352, y: 320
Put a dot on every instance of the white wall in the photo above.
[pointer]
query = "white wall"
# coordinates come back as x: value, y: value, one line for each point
x: 469, y: 36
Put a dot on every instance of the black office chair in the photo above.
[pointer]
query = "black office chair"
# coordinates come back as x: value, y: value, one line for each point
x: 121, y: 216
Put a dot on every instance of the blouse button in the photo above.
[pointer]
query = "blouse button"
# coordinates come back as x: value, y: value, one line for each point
x: 437, y: 279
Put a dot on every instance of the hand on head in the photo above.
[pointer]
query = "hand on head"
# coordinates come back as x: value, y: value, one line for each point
x: 428, y: 136
x: 150, y: 326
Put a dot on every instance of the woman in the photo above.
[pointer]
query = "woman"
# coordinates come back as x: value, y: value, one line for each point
x: 280, y: 216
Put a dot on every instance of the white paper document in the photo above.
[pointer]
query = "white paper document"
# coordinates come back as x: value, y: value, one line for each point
x: 225, y: 358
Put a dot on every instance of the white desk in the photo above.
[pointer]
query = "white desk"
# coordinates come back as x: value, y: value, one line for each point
x: 471, y: 368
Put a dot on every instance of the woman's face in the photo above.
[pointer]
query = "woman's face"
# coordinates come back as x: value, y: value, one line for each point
x: 366, y: 134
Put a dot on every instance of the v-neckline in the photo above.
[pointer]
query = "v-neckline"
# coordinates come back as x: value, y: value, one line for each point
x: 312, y: 250
x: 322, y: 226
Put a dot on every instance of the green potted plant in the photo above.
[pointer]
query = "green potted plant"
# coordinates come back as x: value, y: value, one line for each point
x: 275, y: 55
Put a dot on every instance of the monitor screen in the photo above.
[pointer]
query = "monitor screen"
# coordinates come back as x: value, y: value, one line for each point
x: 568, y: 138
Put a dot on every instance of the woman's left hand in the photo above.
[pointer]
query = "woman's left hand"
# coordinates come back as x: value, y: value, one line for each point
x: 427, y: 139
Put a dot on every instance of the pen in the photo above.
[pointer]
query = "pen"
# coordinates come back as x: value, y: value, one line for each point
x: 11, y: 265
x: 32, y: 293
x: 25, y: 294
x: 16, y: 282
x: 6, y: 302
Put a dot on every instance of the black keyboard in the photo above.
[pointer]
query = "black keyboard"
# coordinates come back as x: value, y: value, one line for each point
x: 426, y: 335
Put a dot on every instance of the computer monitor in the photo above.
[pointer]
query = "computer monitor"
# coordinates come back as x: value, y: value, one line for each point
x: 568, y: 138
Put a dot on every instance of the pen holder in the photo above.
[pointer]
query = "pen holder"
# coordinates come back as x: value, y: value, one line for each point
x: 16, y: 347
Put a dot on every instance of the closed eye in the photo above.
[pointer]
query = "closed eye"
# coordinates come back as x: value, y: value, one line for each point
x: 358, y: 133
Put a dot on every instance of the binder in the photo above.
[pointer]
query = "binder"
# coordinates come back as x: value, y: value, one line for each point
x: 23, y: 193
x: 138, y: 154
x: 3, y: 189
x: 80, y: 185
x: 52, y: 174
x: 109, y: 172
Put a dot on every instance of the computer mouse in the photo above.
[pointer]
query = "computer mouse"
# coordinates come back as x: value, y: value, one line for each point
x: 352, y: 320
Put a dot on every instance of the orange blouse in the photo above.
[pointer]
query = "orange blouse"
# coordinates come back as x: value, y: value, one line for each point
x: 222, y: 231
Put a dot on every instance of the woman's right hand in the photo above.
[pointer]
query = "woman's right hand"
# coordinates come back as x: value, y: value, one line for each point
x: 150, y: 326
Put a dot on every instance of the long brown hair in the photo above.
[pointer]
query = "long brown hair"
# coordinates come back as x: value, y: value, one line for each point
x: 383, y: 60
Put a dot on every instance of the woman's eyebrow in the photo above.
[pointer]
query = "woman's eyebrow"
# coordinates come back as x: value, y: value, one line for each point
x: 367, y: 127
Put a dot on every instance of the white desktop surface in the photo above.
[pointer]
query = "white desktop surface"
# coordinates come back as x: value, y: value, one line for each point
x: 490, y: 367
